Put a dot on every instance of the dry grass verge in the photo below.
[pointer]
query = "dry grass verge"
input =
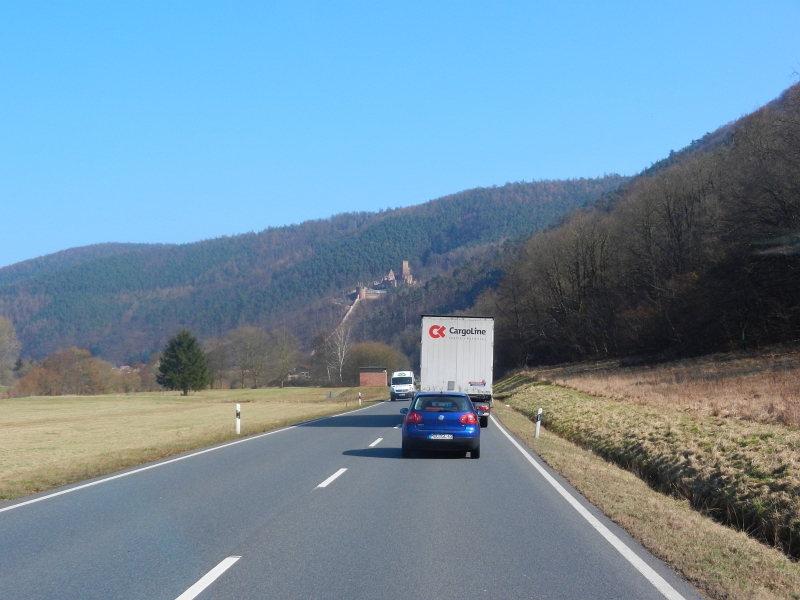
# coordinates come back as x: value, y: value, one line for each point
x: 719, y: 562
x: 762, y: 385
x: 741, y: 473
x: 46, y: 442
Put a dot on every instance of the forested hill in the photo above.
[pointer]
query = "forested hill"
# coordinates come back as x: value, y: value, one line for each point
x: 126, y: 304
x: 699, y: 254
x: 65, y: 259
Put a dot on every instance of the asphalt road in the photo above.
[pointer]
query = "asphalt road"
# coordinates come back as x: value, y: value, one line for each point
x: 386, y: 527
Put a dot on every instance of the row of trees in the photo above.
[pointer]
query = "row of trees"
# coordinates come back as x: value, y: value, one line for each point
x: 183, y: 365
x: 75, y: 371
x: 701, y: 255
x: 246, y: 357
x: 251, y: 357
x: 254, y: 355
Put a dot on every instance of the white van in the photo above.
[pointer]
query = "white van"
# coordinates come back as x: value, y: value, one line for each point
x: 402, y: 385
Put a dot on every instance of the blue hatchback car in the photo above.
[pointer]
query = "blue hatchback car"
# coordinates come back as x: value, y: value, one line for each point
x: 444, y: 421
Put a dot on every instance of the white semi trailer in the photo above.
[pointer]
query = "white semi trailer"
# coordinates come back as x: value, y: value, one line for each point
x: 457, y: 355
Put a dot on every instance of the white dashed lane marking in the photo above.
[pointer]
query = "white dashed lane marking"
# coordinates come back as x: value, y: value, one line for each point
x: 331, y: 479
x: 209, y: 578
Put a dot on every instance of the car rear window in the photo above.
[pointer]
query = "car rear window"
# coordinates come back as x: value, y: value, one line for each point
x: 401, y: 380
x: 442, y: 404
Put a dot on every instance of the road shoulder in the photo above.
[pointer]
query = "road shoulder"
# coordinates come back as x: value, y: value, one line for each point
x: 718, y: 561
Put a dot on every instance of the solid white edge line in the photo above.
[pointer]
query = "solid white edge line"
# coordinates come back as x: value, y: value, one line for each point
x: 660, y: 584
x: 330, y: 479
x: 376, y: 442
x: 173, y: 460
x: 209, y: 578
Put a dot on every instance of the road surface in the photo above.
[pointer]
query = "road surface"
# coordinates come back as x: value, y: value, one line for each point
x: 327, y: 510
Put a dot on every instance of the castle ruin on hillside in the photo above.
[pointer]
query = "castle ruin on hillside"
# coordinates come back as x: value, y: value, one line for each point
x: 380, y: 287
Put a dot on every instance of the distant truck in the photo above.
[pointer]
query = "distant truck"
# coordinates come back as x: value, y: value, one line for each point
x: 458, y: 355
x: 402, y: 385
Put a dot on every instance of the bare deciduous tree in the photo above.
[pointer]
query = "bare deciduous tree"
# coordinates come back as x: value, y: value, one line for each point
x: 337, y: 347
x: 218, y: 355
x: 250, y: 350
x: 9, y: 347
x: 284, y: 353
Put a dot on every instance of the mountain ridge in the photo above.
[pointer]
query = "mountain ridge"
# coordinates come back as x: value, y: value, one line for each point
x: 55, y: 261
x: 125, y: 304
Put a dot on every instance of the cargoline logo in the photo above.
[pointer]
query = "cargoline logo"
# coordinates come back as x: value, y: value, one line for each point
x: 465, y: 332
x: 478, y: 383
x: 436, y: 331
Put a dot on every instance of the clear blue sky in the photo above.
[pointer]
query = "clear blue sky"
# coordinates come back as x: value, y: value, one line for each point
x: 180, y: 121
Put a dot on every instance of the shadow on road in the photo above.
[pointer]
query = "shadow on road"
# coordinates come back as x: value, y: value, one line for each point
x: 358, y: 420
x: 374, y: 452
x: 395, y: 453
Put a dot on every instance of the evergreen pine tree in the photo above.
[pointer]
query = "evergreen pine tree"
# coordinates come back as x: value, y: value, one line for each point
x: 183, y: 364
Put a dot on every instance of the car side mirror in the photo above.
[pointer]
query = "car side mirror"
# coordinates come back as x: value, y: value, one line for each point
x: 403, y: 411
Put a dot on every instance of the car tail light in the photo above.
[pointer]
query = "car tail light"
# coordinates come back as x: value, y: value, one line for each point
x: 468, y: 419
x: 414, y: 417
x: 481, y: 409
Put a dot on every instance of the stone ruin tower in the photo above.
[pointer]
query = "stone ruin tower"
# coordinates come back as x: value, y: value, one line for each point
x: 406, y: 273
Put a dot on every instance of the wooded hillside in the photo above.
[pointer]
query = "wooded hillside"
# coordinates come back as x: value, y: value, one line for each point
x: 700, y: 253
x: 64, y: 259
x: 124, y: 306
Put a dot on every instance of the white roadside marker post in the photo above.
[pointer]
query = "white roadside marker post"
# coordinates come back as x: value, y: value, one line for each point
x: 238, y: 419
x: 538, y: 421
x: 359, y: 398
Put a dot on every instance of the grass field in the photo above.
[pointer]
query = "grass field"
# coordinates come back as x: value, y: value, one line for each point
x: 715, y: 436
x: 762, y: 385
x: 46, y: 442
x: 740, y: 472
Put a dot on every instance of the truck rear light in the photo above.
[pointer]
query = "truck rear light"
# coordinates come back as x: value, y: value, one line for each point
x: 414, y: 417
x: 468, y: 419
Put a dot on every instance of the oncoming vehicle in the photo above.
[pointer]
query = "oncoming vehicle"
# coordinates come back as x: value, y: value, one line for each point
x: 402, y: 385
x: 443, y: 422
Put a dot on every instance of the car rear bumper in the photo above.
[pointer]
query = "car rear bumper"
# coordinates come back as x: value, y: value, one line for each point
x: 421, y: 442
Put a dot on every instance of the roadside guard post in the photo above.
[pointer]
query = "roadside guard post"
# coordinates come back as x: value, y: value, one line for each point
x: 538, y: 421
x: 359, y: 398
x: 239, y: 419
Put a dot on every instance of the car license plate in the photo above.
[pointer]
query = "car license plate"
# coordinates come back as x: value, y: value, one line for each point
x: 440, y: 436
